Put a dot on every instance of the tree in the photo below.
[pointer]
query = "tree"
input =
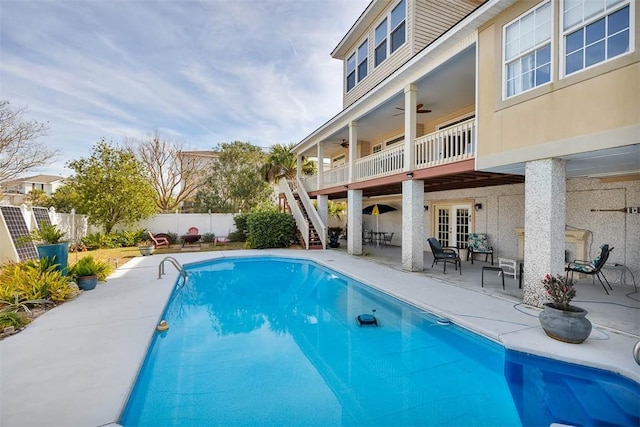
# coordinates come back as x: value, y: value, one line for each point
x: 173, y: 176
x: 112, y: 187
x: 234, y: 182
x: 38, y: 198
x: 19, y: 150
x: 66, y: 198
x: 282, y: 163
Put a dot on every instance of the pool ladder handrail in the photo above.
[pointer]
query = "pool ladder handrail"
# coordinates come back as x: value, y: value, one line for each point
x: 173, y: 262
x: 636, y: 352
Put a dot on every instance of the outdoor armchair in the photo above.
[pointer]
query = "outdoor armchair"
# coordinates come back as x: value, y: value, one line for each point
x: 478, y: 243
x: 158, y: 241
x: 592, y: 268
x: 445, y: 254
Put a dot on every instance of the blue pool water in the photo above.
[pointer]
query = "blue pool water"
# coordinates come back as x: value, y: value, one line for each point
x: 273, y: 341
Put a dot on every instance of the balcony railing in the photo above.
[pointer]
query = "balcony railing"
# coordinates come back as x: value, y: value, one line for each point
x: 446, y: 146
x: 383, y: 163
x: 449, y: 145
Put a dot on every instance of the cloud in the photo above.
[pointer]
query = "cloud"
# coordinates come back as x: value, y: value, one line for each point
x: 204, y: 72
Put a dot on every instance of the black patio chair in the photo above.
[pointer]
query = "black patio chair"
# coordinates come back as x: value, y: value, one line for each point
x: 445, y: 254
x: 592, y: 268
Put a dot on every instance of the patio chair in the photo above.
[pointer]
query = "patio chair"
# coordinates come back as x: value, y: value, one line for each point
x: 592, y: 268
x: 192, y: 237
x: 158, y: 241
x: 367, y: 237
x: 223, y: 240
x: 479, y: 244
x: 445, y: 254
x: 386, y: 239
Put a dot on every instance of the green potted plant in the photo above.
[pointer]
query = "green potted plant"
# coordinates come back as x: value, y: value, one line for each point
x: 559, y: 319
x: 146, y: 247
x: 87, y: 271
x: 51, y: 245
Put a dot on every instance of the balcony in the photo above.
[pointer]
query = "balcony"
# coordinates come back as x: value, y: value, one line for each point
x: 450, y: 145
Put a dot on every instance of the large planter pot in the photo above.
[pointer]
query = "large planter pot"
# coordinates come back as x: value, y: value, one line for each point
x: 58, y: 250
x: 146, y: 250
x: 569, y: 325
x: 86, y: 283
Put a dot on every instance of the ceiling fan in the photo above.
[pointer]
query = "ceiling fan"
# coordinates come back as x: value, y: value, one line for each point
x: 344, y: 143
x: 419, y: 110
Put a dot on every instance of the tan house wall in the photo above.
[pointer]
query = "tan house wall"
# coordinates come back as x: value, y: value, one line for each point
x: 599, y: 107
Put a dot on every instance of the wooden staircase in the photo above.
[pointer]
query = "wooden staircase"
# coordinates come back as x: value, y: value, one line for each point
x: 314, y: 238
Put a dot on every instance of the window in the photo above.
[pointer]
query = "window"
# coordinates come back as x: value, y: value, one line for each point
x: 398, y: 26
x: 376, y: 148
x: 381, y: 43
x: 363, y: 52
x: 393, y: 28
x: 527, y: 51
x: 594, y: 31
x: 339, y: 161
x: 351, y: 72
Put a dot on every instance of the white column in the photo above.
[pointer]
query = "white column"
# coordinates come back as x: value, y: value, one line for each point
x: 323, y: 208
x: 320, y: 166
x: 413, y: 237
x: 354, y: 222
x: 410, y: 119
x: 544, y: 225
x: 298, y: 165
x: 353, y: 150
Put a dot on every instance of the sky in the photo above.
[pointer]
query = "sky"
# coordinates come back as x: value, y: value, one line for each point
x: 199, y: 72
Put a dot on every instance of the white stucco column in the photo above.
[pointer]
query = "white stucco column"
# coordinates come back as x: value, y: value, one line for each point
x: 544, y: 225
x: 410, y: 119
x: 320, y: 166
x: 299, y: 165
x: 353, y: 149
x: 413, y: 237
x: 354, y: 222
x: 323, y: 208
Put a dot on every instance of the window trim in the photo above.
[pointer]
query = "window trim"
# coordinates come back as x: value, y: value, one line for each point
x: 347, y: 73
x: 356, y: 67
x: 388, y: 32
x: 562, y: 34
x: 377, y: 146
x: 552, y: 65
x: 359, y: 61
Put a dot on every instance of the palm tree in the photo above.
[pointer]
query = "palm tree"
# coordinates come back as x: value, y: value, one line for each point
x: 282, y: 163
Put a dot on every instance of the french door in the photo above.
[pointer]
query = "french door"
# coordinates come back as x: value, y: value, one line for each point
x: 453, y: 224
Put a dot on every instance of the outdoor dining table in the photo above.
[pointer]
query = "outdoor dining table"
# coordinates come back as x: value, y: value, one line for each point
x: 190, y: 239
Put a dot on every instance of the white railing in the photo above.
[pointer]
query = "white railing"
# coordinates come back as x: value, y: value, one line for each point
x: 309, y: 182
x: 383, y: 163
x: 313, y: 215
x: 301, y: 222
x: 335, y: 176
x: 446, y: 146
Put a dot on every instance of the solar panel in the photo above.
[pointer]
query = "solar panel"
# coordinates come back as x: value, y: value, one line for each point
x: 41, y: 215
x: 18, y: 231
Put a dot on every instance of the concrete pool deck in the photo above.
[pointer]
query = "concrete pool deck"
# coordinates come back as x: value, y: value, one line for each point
x: 75, y: 365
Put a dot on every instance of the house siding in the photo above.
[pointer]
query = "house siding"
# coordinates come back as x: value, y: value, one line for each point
x: 598, y: 101
x: 432, y: 18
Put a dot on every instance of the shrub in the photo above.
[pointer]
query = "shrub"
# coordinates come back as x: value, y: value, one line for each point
x: 8, y: 318
x: 208, y: 238
x: 31, y: 283
x: 270, y: 229
x: 171, y: 237
x: 88, y: 266
x: 48, y: 234
x: 242, y: 228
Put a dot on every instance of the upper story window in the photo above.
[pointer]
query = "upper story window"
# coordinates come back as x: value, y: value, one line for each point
x: 594, y: 31
x: 359, y: 57
x: 398, y: 26
x: 363, y: 54
x: 351, y: 72
x: 527, y: 51
x: 393, y: 28
x: 381, y: 43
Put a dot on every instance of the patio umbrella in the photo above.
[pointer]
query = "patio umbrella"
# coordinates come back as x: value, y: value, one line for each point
x: 376, y: 210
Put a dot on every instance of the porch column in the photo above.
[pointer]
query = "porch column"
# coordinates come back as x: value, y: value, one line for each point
x: 410, y: 118
x: 413, y: 225
x: 354, y: 222
x: 323, y: 208
x: 320, y: 166
x: 298, y: 165
x: 544, y: 224
x: 353, y: 147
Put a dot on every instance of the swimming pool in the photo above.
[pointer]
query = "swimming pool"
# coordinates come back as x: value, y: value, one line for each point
x: 274, y: 341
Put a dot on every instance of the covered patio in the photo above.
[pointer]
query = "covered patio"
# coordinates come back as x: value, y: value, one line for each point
x: 619, y: 311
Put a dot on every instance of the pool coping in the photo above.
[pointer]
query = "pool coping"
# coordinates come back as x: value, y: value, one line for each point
x: 76, y: 364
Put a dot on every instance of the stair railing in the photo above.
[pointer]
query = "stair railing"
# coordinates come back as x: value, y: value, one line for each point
x: 320, y: 227
x: 301, y: 221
